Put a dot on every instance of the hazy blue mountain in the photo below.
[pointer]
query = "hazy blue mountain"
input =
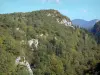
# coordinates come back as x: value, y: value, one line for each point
x: 84, y: 24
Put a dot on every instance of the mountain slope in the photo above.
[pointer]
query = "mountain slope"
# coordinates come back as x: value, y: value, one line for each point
x: 96, y: 31
x: 44, y: 43
x: 84, y: 23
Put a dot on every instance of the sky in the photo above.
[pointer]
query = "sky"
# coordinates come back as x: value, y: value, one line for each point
x: 74, y: 9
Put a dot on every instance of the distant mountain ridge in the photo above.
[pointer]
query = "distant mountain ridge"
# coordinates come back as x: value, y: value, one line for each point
x: 84, y: 24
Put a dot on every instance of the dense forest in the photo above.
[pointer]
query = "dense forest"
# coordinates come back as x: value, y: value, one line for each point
x: 96, y: 31
x: 46, y: 43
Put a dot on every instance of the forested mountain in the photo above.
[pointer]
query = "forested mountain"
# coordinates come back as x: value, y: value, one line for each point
x: 96, y: 31
x: 45, y: 43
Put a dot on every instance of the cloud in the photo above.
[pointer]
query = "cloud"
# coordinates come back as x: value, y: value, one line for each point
x: 85, y: 11
x: 57, y: 1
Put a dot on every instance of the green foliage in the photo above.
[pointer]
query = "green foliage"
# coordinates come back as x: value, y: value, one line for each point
x: 7, y: 65
x: 62, y: 50
x: 96, y: 31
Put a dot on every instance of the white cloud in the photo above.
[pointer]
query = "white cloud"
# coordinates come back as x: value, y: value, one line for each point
x: 85, y: 11
x: 57, y: 1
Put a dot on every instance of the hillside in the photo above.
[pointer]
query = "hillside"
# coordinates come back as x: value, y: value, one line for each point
x: 84, y: 24
x: 45, y: 43
x: 96, y: 31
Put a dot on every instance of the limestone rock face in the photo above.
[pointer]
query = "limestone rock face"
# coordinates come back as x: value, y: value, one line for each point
x: 22, y: 61
x: 33, y: 42
x: 65, y: 22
